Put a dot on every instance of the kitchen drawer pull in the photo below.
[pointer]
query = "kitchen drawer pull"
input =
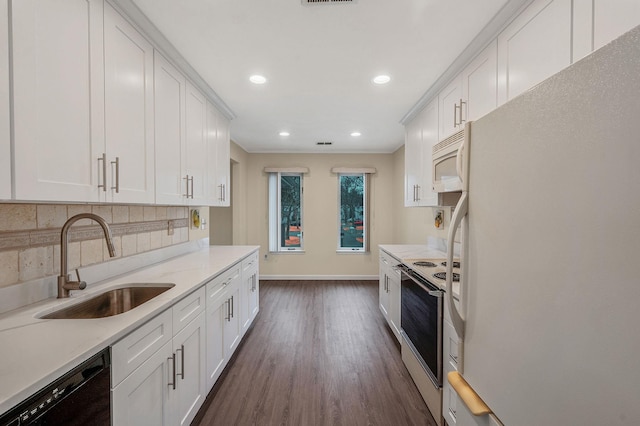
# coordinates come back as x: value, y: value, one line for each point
x: 173, y: 362
x: 186, y: 179
x: 181, y: 350
x: 117, y: 175
x: 104, y: 172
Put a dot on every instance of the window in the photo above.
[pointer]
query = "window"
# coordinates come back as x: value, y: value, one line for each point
x: 285, y: 212
x: 352, y: 231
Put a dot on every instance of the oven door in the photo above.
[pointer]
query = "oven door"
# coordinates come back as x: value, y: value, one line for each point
x: 421, y: 322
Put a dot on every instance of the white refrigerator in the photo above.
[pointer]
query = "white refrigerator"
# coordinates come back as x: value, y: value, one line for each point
x: 550, y: 292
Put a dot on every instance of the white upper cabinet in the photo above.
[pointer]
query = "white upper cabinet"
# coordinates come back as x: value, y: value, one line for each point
x: 451, y: 105
x: 57, y: 79
x: 5, y: 141
x: 219, y: 157
x: 536, y: 45
x: 412, y: 161
x: 169, y: 101
x: 196, y: 147
x: 480, y: 85
x: 128, y: 66
x: 420, y: 136
x: 612, y: 18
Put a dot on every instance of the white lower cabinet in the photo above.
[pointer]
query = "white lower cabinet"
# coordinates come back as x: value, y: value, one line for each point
x: 165, y: 386
x: 249, y: 288
x: 389, y: 292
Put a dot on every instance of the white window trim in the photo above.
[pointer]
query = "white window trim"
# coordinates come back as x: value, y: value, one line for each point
x: 275, y: 217
x: 364, y: 172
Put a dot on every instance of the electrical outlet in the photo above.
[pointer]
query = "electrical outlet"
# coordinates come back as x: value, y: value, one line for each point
x: 170, y: 228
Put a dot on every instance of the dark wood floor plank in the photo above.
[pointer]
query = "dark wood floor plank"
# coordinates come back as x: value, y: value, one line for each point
x: 319, y: 353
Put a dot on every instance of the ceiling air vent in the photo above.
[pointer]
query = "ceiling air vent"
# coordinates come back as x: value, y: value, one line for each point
x: 324, y: 143
x: 327, y: 1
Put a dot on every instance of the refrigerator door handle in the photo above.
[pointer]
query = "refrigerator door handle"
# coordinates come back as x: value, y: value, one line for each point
x: 459, y: 213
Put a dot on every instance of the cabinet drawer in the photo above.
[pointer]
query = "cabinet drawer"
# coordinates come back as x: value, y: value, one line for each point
x: 250, y: 262
x: 134, y: 349
x: 187, y: 309
x: 217, y: 286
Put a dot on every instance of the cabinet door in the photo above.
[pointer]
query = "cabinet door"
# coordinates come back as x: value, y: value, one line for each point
x: 128, y: 64
x: 190, y: 392
x: 5, y: 142
x: 143, y: 397
x: 232, y: 329
x: 223, y: 160
x: 412, y: 161
x: 57, y: 75
x: 612, y: 18
x: 216, y: 317
x: 430, y: 137
x: 480, y: 84
x: 536, y: 45
x: 383, y: 294
x: 249, y: 297
x: 196, y: 145
x: 394, y: 301
x: 450, y: 108
x: 169, y: 101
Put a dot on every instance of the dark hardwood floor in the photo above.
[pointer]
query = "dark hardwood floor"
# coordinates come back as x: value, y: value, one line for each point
x: 319, y: 353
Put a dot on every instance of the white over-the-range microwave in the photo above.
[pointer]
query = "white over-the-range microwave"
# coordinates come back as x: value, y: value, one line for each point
x: 447, y: 162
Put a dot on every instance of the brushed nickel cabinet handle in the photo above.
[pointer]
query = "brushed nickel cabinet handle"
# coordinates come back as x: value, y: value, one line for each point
x: 186, y: 179
x: 117, y: 175
x: 191, y: 187
x: 104, y: 172
x: 181, y: 350
x: 173, y: 362
x: 232, y: 313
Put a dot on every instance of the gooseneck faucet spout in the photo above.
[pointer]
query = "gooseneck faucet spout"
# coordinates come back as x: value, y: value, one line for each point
x: 65, y: 283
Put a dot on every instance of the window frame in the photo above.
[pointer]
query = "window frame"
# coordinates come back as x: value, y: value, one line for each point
x: 365, y: 214
x: 275, y: 213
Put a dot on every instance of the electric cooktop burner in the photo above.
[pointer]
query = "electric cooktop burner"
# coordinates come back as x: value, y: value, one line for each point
x: 455, y: 264
x: 443, y: 276
x: 425, y: 263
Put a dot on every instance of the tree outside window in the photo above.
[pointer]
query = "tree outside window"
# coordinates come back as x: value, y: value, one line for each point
x: 352, y: 232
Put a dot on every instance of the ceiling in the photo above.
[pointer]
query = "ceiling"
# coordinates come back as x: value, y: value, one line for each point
x: 319, y: 61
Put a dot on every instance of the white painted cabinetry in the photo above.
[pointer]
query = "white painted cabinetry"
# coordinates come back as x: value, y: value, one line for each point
x: 158, y: 370
x: 536, y: 45
x: 5, y: 141
x: 480, y: 85
x: 58, y: 99
x: 420, y: 136
x: 612, y: 18
x: 389, y: 292
x: 196, y: 147
x: 250, y: 290
x: 128, y: 91
x: 219, y: 154
x: 223, y: 324
x: 451, y: 107
x: 169, y: 101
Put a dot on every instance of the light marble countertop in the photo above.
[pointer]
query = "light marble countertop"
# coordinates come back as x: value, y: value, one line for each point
x: 34, y: 352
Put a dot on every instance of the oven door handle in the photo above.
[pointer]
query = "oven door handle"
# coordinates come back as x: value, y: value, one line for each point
x: 436, y: 293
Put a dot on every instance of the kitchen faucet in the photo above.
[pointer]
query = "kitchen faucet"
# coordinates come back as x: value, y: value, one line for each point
x: 65, y: 284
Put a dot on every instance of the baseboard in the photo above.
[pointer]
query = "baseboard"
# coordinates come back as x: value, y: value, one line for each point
x: 319, y: 277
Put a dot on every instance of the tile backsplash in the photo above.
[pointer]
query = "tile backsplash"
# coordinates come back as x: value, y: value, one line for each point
x: 30, y: 236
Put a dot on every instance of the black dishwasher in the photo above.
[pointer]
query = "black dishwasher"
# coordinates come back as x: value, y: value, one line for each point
x: 80, y: 397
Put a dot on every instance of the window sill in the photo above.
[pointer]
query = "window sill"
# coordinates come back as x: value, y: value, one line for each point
x: 348, y: 251
x: 288, y: 252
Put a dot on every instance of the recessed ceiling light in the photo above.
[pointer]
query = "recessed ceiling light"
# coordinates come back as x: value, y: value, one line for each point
x: 381, y: 79
x: 258, y: 79
x: 284, y: 133
x: 356, y: 134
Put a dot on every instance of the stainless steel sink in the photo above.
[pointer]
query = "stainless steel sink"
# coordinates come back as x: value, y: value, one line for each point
x: 111, y: 302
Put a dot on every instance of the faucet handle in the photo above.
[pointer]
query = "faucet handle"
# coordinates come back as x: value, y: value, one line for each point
x: 81, y: 284
x: 78, y: 275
